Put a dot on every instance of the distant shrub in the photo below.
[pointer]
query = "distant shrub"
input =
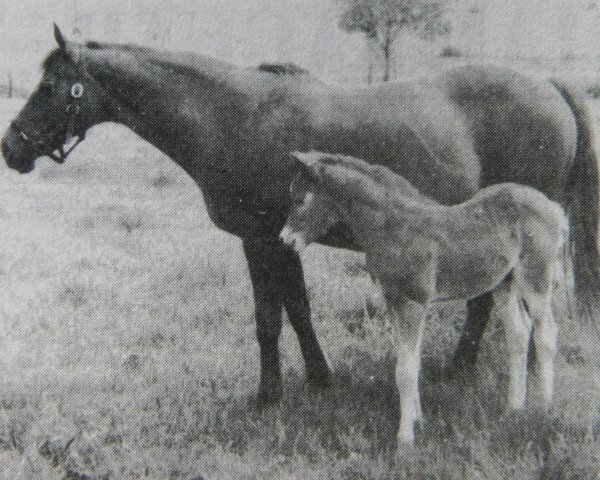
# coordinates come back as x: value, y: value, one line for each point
x: 451, y: 52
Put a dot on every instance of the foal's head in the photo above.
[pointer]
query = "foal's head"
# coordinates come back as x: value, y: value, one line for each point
x: 65, y: 104
x: 313, y: 211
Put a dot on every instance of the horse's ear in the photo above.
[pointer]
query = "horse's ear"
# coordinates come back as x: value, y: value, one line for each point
x: 73, y: 50
x: 60, y: 39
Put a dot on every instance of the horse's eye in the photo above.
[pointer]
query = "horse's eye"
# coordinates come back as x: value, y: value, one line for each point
x: 47, y: 88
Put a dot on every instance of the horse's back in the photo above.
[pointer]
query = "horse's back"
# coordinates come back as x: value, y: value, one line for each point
x: 477, y: 125
x: 523, y: 129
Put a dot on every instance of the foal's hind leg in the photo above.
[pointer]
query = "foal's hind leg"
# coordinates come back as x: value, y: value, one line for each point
x: 408, y: 319
x: 537, y: 288
x: 517, y: 328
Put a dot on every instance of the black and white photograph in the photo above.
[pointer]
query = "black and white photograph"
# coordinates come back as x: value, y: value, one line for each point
x: 300, y: 239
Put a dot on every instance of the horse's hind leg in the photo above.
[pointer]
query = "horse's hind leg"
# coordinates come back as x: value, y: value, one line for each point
x: 478, y: 313
x: 517, y: 328
x: 537, y: 293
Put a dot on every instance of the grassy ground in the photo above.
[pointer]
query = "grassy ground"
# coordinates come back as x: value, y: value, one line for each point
x: 127, y: 350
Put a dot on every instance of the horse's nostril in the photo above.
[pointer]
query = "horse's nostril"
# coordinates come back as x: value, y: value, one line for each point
x: 5, y: 150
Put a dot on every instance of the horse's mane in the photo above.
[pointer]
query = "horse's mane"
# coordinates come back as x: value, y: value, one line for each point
x: 183, y: 63
x: 186, y: 64
x: 290, y: 70
x: 53, y: 57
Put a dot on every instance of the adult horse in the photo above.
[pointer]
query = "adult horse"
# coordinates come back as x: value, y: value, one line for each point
x: 231, y: 129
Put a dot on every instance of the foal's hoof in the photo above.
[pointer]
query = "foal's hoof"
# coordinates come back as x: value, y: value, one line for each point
x: 405, y: 443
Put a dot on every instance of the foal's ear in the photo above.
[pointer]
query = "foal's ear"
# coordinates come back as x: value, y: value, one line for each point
x: 307, y: 164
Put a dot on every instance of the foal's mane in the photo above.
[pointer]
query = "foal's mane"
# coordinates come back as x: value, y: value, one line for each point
x: 372, y: 184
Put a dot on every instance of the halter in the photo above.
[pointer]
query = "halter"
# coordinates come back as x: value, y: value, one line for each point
x: 67, y: 130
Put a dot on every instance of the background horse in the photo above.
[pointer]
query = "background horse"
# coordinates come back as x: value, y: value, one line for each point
x: 231, y: 129
x: 508, y: 239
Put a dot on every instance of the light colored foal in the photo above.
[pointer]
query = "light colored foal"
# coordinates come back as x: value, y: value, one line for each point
x: 508, y: 239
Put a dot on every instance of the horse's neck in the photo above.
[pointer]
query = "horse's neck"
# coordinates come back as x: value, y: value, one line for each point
x: 172, y: 103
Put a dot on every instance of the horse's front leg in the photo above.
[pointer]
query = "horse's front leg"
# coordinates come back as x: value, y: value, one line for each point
x: 277, y: 280
x: 478, y: 313
x: 297, y: 306
x: 408, y: 320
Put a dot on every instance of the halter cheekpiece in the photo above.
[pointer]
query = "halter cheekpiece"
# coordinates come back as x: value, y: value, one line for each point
x: 73, y: 109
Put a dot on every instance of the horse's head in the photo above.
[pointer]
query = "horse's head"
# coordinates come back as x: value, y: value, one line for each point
x: 313, y: 211
x: 65, y: 104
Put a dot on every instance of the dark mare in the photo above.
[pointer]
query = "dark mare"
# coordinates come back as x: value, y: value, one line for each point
x: 232, y: 129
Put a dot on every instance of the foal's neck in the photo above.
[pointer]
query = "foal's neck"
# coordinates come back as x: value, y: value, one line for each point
x: 391, y: 210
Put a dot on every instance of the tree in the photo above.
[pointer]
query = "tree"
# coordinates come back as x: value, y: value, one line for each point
x: 382, y: 21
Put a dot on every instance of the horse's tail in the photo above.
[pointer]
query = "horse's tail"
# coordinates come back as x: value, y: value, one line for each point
x: 581, y: 202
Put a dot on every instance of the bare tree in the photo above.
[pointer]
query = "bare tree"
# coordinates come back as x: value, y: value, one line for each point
x: 382, y: 21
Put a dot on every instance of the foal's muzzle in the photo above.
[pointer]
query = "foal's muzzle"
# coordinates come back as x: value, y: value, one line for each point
x: 293, y: 239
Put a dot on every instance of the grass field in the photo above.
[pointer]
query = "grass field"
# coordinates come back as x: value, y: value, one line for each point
x: 127, y: 350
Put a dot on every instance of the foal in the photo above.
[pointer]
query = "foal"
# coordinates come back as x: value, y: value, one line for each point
x: 508, y: 239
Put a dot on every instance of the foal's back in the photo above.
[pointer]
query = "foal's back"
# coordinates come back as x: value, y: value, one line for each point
x: 471, y: 247
x: 510, y: 204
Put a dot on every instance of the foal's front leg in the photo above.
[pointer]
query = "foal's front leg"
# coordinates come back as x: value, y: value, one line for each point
x: 517, y: 330
x: 408, y: 319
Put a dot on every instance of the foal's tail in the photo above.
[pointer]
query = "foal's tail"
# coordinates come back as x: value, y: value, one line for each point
x: 581, y: 202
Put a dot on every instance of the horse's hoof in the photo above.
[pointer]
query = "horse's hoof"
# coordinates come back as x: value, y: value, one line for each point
x: 321, y: 380
x: 269, y: 396
x: 319, y: 375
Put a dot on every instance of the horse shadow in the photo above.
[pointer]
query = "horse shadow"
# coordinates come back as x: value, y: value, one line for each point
x: 359, y: 412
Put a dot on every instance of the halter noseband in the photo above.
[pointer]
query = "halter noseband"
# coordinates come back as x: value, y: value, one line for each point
x: 45, y: 147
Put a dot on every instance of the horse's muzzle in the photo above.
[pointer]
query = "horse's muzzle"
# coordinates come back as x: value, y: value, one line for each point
x: 17, y: 153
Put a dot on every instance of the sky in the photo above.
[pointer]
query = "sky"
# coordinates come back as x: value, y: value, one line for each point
x: 247, y: 32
